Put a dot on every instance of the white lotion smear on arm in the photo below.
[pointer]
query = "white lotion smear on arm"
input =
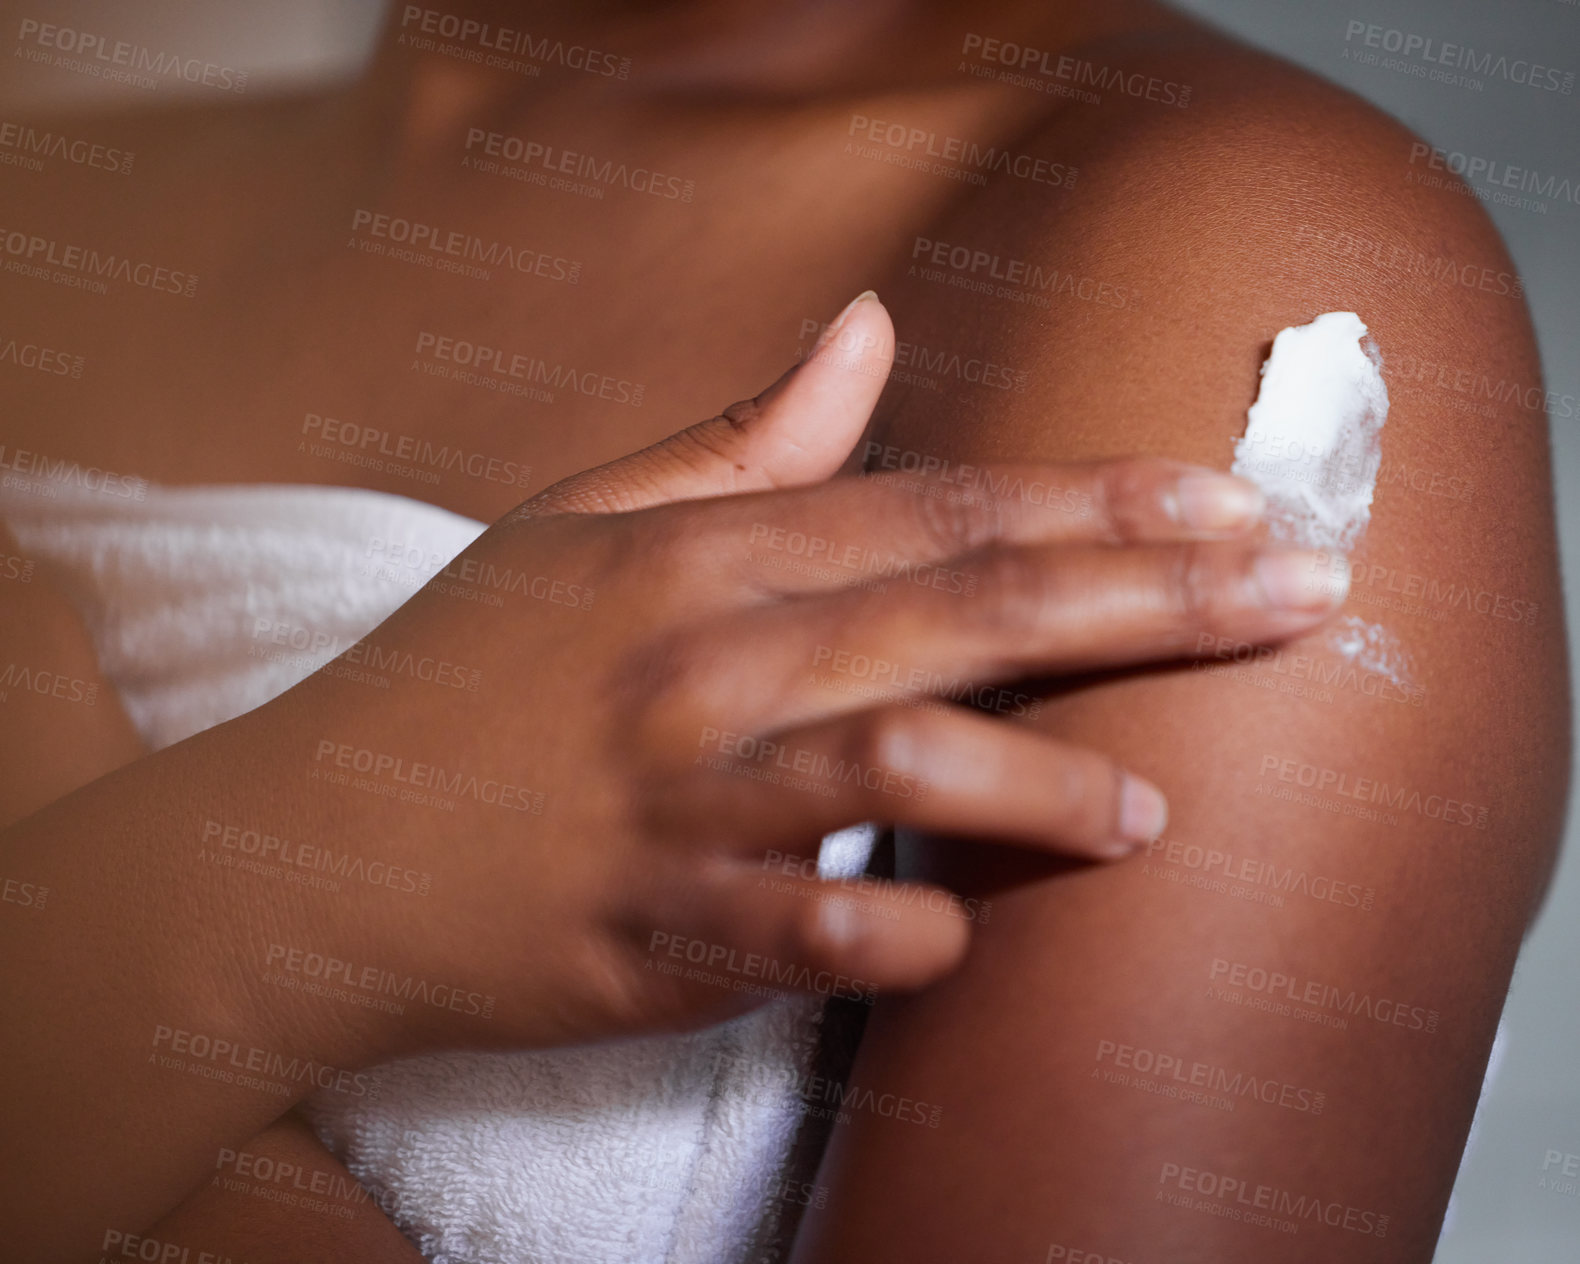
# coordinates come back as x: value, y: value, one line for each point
x: 1313, y: 444
x: 1313, y: 439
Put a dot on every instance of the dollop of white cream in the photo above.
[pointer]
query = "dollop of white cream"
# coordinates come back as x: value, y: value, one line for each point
x: 1313, y: 438
x: 1313, y: 444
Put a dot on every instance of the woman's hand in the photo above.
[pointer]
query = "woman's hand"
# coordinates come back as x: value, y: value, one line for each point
x: 710, y: 654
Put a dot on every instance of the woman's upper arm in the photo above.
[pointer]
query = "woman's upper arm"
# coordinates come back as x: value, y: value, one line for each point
x: 1265, y: 1038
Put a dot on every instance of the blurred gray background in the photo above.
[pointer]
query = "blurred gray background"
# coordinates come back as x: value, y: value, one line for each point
x: 1501, y: 1214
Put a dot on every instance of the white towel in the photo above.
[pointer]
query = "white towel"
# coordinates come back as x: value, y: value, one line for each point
x: 206, y: 602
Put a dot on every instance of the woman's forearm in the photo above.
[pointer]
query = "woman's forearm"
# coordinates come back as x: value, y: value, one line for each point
x: 51, y: 690
x: 280, y: 1198
x: 139, y: 1038
x: 278, y: 1191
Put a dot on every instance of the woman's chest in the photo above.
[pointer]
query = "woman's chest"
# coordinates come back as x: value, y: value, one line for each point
x: 460, y: 346
x: 463, y: 336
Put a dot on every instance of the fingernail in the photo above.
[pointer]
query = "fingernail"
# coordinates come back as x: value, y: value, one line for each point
x: 1300, y: 579
x: 1217, y: 502
x: 1143, y: 811
x: 827, y: 335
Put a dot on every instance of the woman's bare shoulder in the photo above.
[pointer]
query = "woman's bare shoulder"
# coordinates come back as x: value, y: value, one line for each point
x: 1132, y: 312
x: 1214, y: 187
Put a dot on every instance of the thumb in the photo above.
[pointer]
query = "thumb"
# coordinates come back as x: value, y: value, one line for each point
x: 798, y: 431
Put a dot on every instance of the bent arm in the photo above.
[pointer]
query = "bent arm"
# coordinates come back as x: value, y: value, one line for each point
x: 1265, y: 1037
x: 278, y: 1193
x: 54, y: 693
x: 280, y: 1198
x: 136, y: 1044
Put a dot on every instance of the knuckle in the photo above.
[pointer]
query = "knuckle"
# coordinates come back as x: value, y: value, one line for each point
x: 1123, y: 492
x: 823, y: 932
x: 1191, y: 586
x: 885, y: 740
x: 668, y: 538
x: 703, y: 447
x: 740, y: 414
x: 951, y: 524
x: 658, y: 692
x: 1014, y: 592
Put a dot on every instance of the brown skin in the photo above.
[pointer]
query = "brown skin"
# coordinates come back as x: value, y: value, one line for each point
x: 701, y: 302
x: 1218, y: 219
x: 72, y: 740
x: 642, y: 840
x: 302, y: 324
x: 334, y: 1218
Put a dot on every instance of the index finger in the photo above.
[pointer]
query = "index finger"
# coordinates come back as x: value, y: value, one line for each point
x: 838, y: 533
